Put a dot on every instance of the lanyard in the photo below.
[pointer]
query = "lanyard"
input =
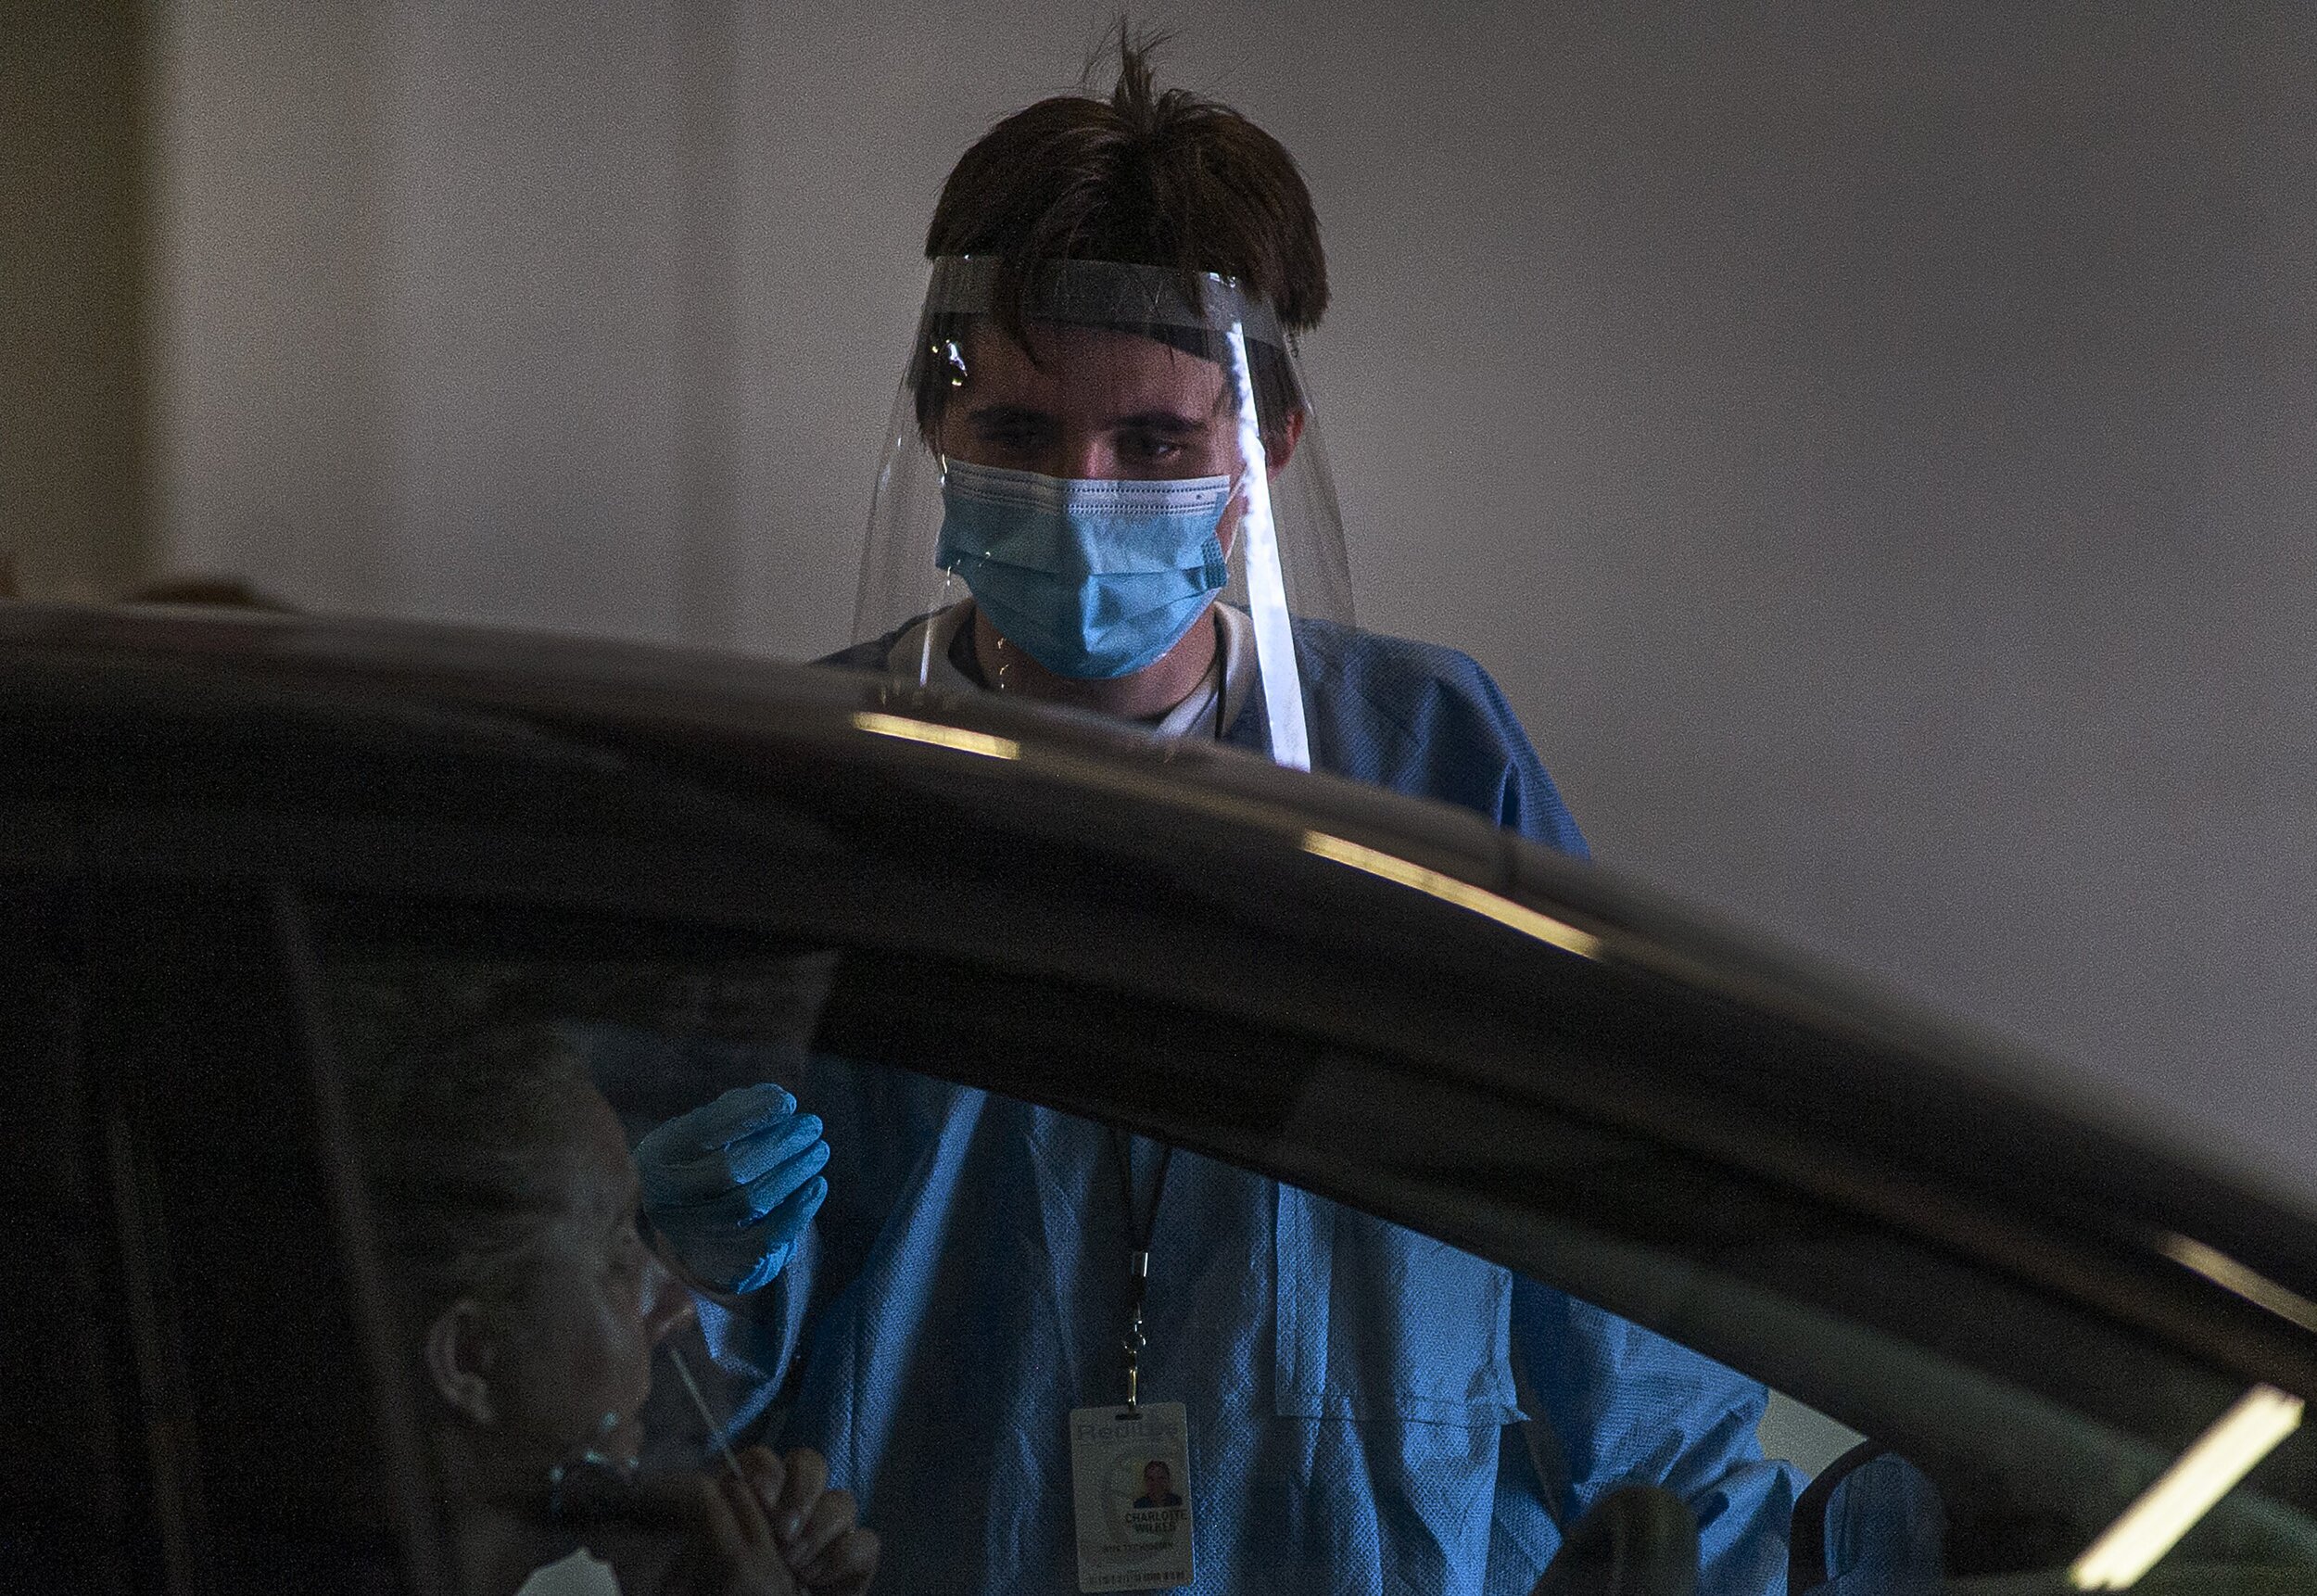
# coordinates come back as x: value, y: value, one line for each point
x: 1139, y: 1225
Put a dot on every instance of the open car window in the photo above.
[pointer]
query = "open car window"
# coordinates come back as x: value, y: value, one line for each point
x: 1417, y: 1324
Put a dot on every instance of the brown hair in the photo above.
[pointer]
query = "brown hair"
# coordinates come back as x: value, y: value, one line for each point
x: 462, y: 1139
x: 1144, y: 177
x: 1150, y: 178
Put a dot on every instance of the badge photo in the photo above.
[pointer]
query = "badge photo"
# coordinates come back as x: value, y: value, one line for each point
x: 1131, y: 1478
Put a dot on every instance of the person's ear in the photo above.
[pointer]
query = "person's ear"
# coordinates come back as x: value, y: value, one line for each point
x: 1280, y: 448
x: 461, y: 1354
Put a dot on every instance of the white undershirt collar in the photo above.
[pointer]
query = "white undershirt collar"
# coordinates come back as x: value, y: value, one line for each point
x: 923, y: 654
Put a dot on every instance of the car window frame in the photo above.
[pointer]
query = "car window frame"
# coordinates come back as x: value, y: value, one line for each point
x: 691, y: 878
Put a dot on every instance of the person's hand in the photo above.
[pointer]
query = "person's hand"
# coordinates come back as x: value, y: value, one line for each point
x: 816, y: 1527
x: 693, y: 1533
x: 741, y: 1555
x: 732, y: 1185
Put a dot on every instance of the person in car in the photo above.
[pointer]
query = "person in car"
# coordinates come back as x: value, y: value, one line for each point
x: 506, y: 1209
x: 1101, y: 424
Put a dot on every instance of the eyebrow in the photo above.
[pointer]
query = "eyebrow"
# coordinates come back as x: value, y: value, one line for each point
x: 1161, y: 421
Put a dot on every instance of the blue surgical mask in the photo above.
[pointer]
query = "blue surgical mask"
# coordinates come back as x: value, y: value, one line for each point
x: 1092, y: 579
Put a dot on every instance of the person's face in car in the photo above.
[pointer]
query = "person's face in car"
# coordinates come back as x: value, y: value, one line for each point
x: 600, y: 1301
x: 561, y: 1367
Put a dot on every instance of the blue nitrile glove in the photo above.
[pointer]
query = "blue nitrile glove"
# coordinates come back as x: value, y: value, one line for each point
x: 732, y: 1185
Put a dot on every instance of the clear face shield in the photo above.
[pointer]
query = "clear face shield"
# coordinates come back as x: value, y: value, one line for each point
x: 1104, y: 486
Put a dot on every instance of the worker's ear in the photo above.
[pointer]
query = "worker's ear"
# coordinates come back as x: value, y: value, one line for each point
x: 461, y: 1354
x: 1279, y: 446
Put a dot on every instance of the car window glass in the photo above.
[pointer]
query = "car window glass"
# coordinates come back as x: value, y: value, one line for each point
x: 63, y: 1484
x: 239, y: 1335
x: 1794, y: 1430
x: 599, y: 1326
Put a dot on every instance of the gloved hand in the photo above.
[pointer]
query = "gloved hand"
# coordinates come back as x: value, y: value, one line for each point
x: 733, y: 1185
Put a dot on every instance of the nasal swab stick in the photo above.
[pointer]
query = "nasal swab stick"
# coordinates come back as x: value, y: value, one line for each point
x: 700, y: 1404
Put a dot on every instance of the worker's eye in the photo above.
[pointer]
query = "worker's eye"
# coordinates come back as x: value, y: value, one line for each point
x: 1149, y: 448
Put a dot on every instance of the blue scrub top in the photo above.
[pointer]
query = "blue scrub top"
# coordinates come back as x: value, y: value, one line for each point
x: 1370, y: 1411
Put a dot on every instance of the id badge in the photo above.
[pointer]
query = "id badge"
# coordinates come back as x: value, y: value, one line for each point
x: 1131, y: 1485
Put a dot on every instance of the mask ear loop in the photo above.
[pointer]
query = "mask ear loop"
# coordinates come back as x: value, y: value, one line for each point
x: 925, y: 667
x: 1266, y: 589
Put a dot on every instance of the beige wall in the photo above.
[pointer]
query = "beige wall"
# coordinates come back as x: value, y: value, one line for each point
x: 1873, y: 446
x: 74, y: 472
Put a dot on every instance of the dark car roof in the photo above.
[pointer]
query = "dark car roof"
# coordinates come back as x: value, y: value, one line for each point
x: 118, y: 712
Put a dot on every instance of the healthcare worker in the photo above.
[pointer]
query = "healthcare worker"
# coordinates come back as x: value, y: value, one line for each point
x: 1104, y: 488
